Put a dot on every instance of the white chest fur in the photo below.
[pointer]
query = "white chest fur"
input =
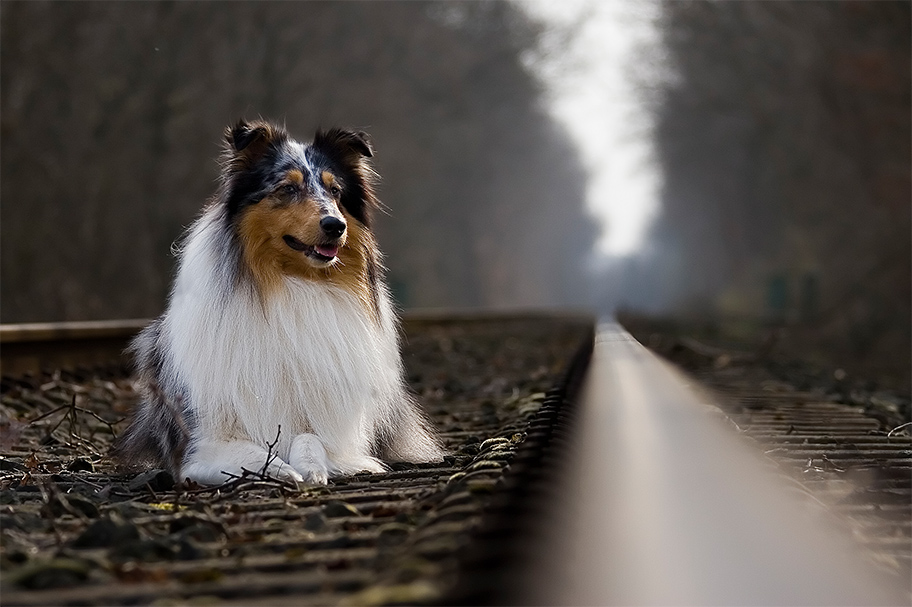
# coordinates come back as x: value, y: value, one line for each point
x: 309, y: 359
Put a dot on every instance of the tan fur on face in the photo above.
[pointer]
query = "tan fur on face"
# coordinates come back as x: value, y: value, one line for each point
x: 295, y: 176
x: 352, y: 271
x: 270, y: 259
x: 328, y: 179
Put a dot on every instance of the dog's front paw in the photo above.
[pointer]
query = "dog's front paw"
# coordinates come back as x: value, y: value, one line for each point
x: 308, y: 456
x: 282, y: 471
x: 216, y: 462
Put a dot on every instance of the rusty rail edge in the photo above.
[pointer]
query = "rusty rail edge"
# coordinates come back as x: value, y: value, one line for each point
x: 125, y: 328
x: 52, y: 331
x: 498, y: 553
x: 36, y: 347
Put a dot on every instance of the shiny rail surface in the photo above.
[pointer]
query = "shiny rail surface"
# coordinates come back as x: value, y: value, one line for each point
x: 658, y: 501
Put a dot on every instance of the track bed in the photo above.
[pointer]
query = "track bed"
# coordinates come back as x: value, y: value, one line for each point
x: 78, y: 531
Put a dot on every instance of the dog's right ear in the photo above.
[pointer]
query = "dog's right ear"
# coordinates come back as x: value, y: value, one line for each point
x: 251, y: 140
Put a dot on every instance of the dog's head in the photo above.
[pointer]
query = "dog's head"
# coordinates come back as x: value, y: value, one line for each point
x: 297, y: 207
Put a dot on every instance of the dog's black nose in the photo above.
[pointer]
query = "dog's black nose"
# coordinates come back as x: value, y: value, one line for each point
x: 332, y: 226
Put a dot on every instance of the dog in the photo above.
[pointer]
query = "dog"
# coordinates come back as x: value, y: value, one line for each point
x: 279, y: 348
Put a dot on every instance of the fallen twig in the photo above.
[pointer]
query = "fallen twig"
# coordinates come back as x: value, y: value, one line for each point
x: 898, y: 428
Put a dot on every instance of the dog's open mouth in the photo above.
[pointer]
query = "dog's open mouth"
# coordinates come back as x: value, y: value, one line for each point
x: 319, y: 252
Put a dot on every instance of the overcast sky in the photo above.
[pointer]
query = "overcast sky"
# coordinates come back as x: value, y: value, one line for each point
x: 589, y: 60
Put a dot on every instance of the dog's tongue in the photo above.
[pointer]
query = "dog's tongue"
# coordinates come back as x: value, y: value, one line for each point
x: 326, y: 251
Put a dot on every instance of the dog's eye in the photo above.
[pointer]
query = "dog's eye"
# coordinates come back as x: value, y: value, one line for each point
x: 335, y: 190
x: 289, y: 190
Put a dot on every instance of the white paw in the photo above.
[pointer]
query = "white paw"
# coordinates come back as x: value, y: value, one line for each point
x: 308, y: 456
x: 282, y: 471
x: 216, y: 462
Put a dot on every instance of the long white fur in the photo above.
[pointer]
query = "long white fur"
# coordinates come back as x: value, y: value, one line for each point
x: 308, y: 358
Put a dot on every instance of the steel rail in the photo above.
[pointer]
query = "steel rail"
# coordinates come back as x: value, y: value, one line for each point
x: 33, y: 347
x: 659, y: 503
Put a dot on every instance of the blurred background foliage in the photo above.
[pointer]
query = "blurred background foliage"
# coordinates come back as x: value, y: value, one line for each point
x: 784, y: 142
x: 113, y: 113
x: 782, y: 135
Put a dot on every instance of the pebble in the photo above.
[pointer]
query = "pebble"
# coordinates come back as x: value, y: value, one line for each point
x: 420, y: 592
x: 143, y: 551
x: 53, y: 573
x: 157, y: 480
x: 81, y: 465
x: 72, y: 503
x: 392, y: 534
x: 315, y: 521
x: 338, y: 508
x: 8, y: 465
x: 106, y: 532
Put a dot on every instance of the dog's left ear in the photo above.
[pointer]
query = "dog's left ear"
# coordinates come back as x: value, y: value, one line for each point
x: 250, y: 140
x: 347, y: 146
x: 361, y: 142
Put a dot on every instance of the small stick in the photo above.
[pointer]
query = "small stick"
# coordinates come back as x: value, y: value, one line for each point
x: 897, y: 428
x: 270, y: 456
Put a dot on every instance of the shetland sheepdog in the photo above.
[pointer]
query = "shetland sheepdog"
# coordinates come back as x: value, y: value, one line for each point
x: 278, y: 351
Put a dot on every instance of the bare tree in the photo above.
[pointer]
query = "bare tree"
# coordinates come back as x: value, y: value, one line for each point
x: 785, y: 144
x: 112, y: 115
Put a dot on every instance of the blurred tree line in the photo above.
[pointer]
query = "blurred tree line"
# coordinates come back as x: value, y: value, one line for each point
x: 784, y: 138
x: 111, y: 115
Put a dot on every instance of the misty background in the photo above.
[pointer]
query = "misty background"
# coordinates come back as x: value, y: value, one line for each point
x: 747, y: 161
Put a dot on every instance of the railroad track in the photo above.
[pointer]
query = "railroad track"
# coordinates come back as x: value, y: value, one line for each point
x: 544, y: 458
